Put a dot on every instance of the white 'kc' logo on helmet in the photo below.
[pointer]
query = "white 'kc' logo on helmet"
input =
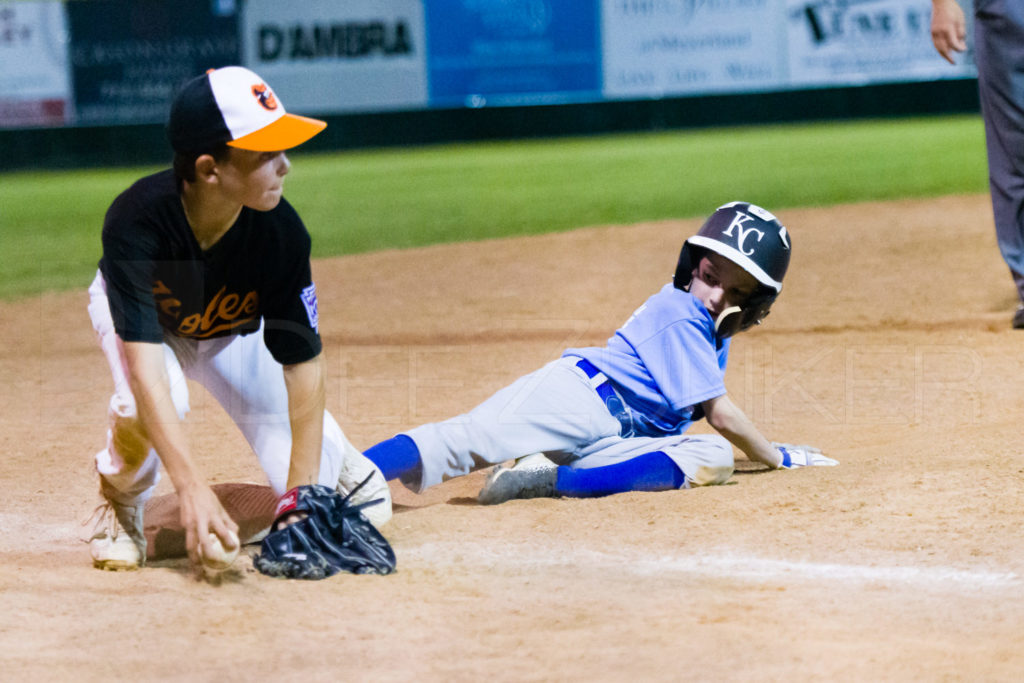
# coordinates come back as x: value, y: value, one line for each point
x: 743, y: 233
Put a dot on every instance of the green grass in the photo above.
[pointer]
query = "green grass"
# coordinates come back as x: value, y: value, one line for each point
x: 370, y: 200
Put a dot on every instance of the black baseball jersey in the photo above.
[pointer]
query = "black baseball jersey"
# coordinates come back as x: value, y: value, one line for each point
x: 160, y: 281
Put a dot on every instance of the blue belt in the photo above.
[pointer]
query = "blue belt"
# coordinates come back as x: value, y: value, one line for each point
x: 611, y: 399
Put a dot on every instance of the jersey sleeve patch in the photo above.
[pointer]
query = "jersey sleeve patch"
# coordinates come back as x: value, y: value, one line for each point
x: 309, y: 301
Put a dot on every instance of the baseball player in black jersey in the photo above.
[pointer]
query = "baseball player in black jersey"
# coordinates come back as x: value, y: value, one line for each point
x: 999, y: 55
x: 205, y: 275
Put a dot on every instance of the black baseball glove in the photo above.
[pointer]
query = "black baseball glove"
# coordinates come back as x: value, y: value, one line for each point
x: 333, y: 537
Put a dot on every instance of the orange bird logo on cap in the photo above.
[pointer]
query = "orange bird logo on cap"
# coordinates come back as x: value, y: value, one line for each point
x: 264, y: 96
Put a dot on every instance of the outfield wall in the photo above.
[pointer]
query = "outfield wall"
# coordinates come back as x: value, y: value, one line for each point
x: 90, y: 81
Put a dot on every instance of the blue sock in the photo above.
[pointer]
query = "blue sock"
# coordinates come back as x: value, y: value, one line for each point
x: 648, y: 472
x: 395, y: 457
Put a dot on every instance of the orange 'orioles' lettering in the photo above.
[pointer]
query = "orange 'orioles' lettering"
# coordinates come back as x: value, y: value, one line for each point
x: 223, y: 312
x: 165, y: 299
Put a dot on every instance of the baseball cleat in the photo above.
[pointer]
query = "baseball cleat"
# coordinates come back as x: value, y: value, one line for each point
x: 113, y: 547
x: 354, y: 470
x: 504, y: 484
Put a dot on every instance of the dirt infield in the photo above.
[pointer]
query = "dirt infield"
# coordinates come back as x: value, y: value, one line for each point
x: 890, y: 348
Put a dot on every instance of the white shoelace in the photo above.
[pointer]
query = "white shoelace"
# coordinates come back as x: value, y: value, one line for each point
x: 104, y: 521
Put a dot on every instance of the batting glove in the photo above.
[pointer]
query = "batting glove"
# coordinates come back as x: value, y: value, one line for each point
x: 802, y: 456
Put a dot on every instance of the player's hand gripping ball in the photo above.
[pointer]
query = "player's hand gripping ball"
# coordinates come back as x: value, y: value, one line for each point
x: 215, y: 557
x: 332, y: 537
x: 802, y: 456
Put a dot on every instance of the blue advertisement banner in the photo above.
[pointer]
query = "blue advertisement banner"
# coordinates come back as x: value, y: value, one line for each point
x: 128, y: 57
x: 512, y: 52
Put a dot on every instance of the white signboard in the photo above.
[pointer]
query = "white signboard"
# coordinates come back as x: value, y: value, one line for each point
x: 324, y: 56
x: 839, y: 42
x: 655, y: 48
x: 35, y: 88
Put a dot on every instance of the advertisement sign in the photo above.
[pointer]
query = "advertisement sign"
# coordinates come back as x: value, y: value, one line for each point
x: 840, y: 42
x: 34, y: 84
x: 111, y: 62
x: 512, y: 52
x: 130, y: 56
x: 658, y: 48
x: 323, y: 56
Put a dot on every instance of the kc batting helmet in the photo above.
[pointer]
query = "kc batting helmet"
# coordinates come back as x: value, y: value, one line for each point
x: 753, y: 239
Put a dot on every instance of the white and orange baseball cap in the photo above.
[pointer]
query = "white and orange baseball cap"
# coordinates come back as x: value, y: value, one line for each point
x: 234, y: 106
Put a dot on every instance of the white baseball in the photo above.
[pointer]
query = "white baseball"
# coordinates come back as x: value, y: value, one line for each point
x: 220, y: 558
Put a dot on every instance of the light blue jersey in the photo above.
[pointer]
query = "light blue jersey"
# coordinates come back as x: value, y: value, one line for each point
x: 664, y: 361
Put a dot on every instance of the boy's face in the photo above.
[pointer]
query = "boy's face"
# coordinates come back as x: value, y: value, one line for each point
x: 718, y: 283
x: 254, y: 179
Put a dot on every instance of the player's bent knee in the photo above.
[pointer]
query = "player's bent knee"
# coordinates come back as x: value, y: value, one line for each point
x: 711, y: 476
x: 127, y: 435
x: 717, y: 462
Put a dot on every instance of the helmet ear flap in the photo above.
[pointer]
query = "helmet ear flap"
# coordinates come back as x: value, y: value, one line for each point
x: 689, y: 259
x: 758, y: 307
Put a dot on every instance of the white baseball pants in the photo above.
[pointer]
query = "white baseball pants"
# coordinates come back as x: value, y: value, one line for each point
x: 244, y: 378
